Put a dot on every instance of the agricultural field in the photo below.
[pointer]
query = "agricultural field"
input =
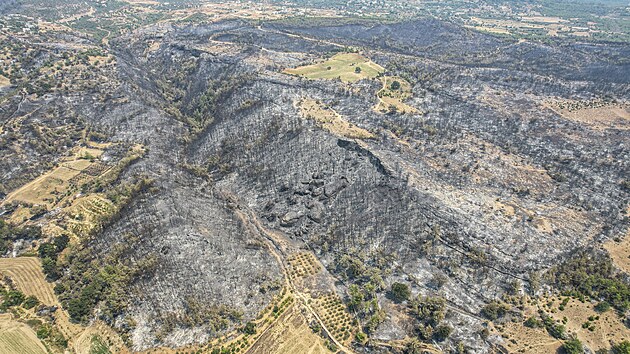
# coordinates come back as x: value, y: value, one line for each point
x: 50, y: 188
x: 26, y: 273
x: 302, y: 264
x: 393, y: 94
x: 330, y: 120
x: 290, y: 334
x: 349, y: 67
x: 17, y: 337
x: 337, y: 320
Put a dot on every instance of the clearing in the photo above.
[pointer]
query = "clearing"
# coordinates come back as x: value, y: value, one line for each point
x: 291, y: 334
x: 595, y: 330
x: 596, y: 114
x: 53, y: 186
x: 620, y: 252
x: 330, y: 120
x: 390, y: 98
x: 4, y: 81
x: 343, y: 66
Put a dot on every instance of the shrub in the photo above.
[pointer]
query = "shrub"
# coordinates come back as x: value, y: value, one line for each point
x: 13, y: 298
x: 602, y: 307
x: 573, y: 346
x: 249, y: 328
x: 395, y: 85
x: 357, y: 70
x: 30, y: 302
x: 442, y: 332
x: 494, y: 310
x: 532, y: 322
x: 400, y: 292
x: 621, y: 348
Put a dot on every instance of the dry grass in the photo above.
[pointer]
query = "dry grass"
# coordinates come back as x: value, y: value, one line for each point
x: 620, y: 252
x: 83, y: 343
x: 290, y: 334
x: 340, y: 66
x: 4, y: 81
x: 521, y: 339
x: 595, y: 114
x: 331, y: 120
x: 609, y: 327
x: 389, y: 98
x: 604, y: 327
x: 16, y: 337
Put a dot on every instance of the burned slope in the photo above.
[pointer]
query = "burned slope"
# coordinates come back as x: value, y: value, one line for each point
x: 475, y: 186
x: 485, y: 180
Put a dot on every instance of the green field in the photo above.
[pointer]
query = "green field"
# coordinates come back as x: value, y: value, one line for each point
x: 341, y: 66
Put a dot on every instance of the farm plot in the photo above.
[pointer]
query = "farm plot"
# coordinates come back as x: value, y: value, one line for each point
x: 302, y: 264
x: 50, y: 188
x: 337, y: 320
x: 290, y: 334
x: 16, y: 337
x: 349, y: 67
x: 27, y: 274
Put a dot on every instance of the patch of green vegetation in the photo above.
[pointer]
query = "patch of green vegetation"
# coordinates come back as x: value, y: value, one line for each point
x: 90, y: 279
x: 10, y: 233
x: 533, y: 322
x: 594, y: 277
x: 429, y: 313
x: 399, y: 292
x: 494, y: 310
x: 49, y: 333
x: 362, y: 295
x: 11, y: 298
x: 30, y: 302
x: 573, y: 346
x: 98, y: 346
x: 49, y: 252
x: 621, y: 348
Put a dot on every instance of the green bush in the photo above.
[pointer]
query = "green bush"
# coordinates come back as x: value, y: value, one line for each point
x: 13, y: 298
x: 602, y: 307
x: 249, y: 328
x: 572, y: 346
x: 621, y: 348
x: 400, y: 292
x: 494, y: 310
x: 532, y: 322
x: 30, y: 302
x: 442, y: 332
